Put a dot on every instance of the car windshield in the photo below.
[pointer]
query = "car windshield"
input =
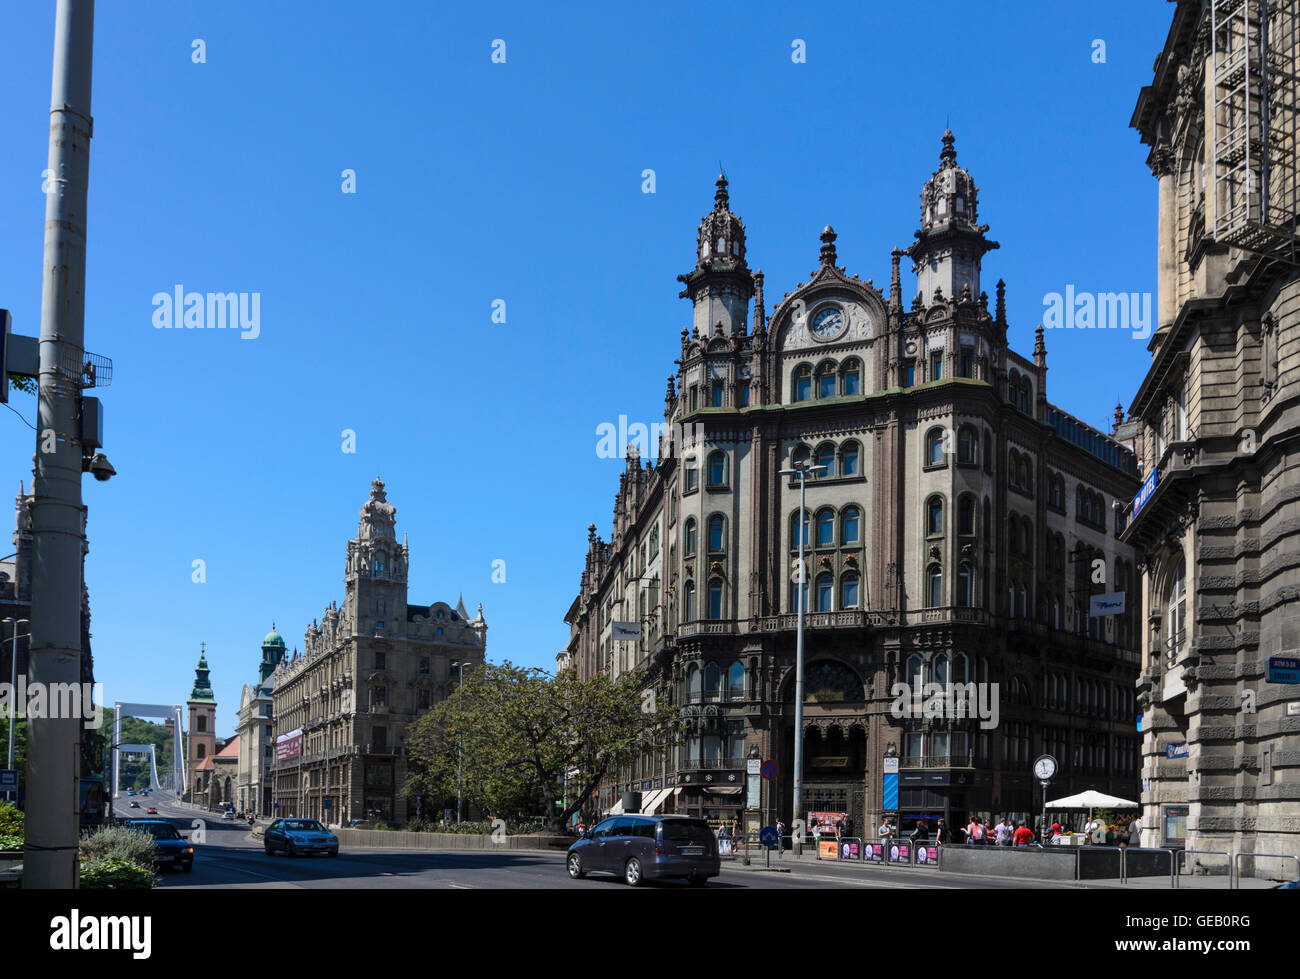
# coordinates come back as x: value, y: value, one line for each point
x: 683, y: 831
x: 303, y: 825
x: 159, y: 831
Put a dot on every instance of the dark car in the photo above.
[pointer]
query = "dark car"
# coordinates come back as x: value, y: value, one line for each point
x: 295, y: 836
x: 170, y: 848
x: 134, y: 804
x: 639, y: 848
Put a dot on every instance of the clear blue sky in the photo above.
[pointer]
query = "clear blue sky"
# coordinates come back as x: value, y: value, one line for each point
x: 518, y: 181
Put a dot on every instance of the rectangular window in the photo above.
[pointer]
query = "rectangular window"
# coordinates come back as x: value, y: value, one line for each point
x: 744, y: 395
x: 716, y: 393
x: 936, y: 366
x: 695, y: 397
x: 967, y: 362
x: 909, y: 375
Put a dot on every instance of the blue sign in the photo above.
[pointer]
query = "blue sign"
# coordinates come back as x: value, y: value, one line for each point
x: 889, y: 800
x: 8, y: 779
x: 1177, y: 749
x: 1283, y: 669
x: 327, y: 803
x: 770, y: 770
x: 1140, y: 717
x: 768, y: 836
x: 1144, y: 494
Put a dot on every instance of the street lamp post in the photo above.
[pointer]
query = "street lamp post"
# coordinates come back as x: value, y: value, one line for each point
x: 801, y: 470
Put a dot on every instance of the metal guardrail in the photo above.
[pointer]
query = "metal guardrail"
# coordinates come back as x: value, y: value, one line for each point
x: 1123, y: 862
x: 1235, y: 875
x: 1178, y: 862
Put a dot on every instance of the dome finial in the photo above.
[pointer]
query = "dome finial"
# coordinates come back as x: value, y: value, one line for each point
x: 828, y: 237
x: 721, y: 197
x: 948, y: 156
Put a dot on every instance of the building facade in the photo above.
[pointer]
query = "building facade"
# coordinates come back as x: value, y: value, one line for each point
x: 1218, y: 417
x: 256, y: 731
x: 368, y: 669
x: 961, y: 526
x: 201, y: 745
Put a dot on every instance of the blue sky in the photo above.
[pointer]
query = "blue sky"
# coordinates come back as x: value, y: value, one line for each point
x: 518, y: 181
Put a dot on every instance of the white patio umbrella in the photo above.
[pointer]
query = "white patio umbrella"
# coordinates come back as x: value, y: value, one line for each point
x: 1090, y: 800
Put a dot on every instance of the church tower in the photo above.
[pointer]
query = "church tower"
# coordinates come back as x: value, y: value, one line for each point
x: 721, y: 284
x: 272, y: 655
x: 202, y: 726
x: 951, y: 242
x: 375, y: 602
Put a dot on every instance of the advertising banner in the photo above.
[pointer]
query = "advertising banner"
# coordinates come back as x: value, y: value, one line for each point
x: 927, y: 855
x: 828, y: 850
x: 288, y: 746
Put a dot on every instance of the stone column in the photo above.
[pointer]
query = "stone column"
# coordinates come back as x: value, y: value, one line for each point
x: 1162, y: 167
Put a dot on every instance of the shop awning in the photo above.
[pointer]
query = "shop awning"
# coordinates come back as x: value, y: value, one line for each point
x: 723, y: 789
x: 652, y: 800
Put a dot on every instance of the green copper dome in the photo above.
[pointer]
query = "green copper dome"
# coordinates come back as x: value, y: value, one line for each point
x: 273, y: 638
x: 202, y: 692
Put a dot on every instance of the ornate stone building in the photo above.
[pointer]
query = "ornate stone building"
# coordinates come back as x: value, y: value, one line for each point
x: 1218, y: 415
x: 256, y: 731
x: 367, y: 670
x: 961, y: 526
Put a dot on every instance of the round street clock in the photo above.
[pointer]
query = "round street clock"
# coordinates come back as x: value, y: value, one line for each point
x: 828, y: 323
x: 1044, y: 768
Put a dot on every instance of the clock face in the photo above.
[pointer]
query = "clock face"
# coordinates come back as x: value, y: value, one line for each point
x: 828, y: 323
x: 1045, y: 768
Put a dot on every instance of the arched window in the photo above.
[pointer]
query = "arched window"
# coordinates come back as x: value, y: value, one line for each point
x: 934, y: 516
x: 825, y: 527
x: 716, y: 525
x: 1013, y: 535
x: 825, y: 457
x: 713, y: 681
x: 966, y: 515
x: 688, y: 536
x: 1013, y: 386
x: 965, y: 586
x: 803, y: 384
x: 1176, y: 610
x: 849, y: 519
x: 940, y: 669
x: 736, y: 681
x: 849, y: 590
x: 966, y: 445
x: 717, y: 469
x: 852, y: 374
x: 913, y: 670
x: 693, y: 683
x: 801, y: 456
x: 988, y: 452
x: 934, y: 447
x: 960, y: 669
x: 849, y: 459
x: 825, y: 591
x: 715, y: 598
x: 934, y: 586
x: 1013, y: 468
x: 688, y: 602
x: 826, y: 382
x: 796, y: 531
x: 1027, y: 475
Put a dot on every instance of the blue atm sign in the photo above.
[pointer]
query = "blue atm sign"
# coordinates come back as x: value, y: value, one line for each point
x: 1283, y: 669
x: 1144, y: 494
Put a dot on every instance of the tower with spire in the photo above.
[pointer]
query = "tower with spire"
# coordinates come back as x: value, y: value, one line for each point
x: 721, y: 284
x: 202, y: 733
x: 377, y: 564
x: 951, y: 243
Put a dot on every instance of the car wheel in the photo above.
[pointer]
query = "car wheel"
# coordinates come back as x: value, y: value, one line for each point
x: 632, y: 873
x: 576, y: 870
x: 334, y: 853
x: 289, y: 850
x: 697, y: 881
x: 270, y: 850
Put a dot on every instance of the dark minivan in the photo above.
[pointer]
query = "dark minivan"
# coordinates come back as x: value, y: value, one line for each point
x: 638, y: 848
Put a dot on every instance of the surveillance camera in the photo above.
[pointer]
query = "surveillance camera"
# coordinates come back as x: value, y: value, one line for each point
x: 101, y: 468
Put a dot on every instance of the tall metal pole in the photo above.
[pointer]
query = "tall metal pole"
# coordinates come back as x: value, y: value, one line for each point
x: 53, y: 750
x: 800, y: 588
x: 459, y: 746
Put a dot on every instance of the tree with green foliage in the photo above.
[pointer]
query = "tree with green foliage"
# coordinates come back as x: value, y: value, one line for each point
x: 517, y: 731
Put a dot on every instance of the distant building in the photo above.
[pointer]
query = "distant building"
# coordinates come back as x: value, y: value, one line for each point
x: 202, y: 741
x: 256, y: 730
x: 216, y: 776
x: 367, y: 670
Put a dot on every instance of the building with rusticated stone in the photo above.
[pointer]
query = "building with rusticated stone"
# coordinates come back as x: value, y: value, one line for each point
x: 1219, y: 437
x: 960, y: 528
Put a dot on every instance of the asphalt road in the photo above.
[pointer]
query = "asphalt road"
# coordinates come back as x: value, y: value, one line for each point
x: 227, y: 855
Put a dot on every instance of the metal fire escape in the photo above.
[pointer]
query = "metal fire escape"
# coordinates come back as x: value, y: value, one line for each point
x: 1255, y: 93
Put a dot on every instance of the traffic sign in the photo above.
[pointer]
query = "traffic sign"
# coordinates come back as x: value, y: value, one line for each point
x: 327, y: 803
x: 8, y: 779
x: 768, y: 836
x: 770, y: 769
x: 1283, y: 669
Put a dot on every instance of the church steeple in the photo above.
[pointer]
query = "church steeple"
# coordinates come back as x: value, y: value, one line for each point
x: 951, y: 242
x: 721, y: 284
x: 202, y: 692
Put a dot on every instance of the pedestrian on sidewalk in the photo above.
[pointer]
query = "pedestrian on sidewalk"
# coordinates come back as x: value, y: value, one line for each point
x: 886, y: 832
x: 970, y: 832
x: 1135, y: 832
x: 780, y: 837
x: 1002, y: 832
x: 941, y: 834
x: 1023, y: 835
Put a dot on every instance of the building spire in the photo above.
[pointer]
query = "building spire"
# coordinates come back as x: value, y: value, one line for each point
x: 828, y: 237
x: 895, y: 279
x: 1040, y: 349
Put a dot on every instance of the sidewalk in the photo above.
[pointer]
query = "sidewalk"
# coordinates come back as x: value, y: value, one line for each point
x: 903, y: 874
